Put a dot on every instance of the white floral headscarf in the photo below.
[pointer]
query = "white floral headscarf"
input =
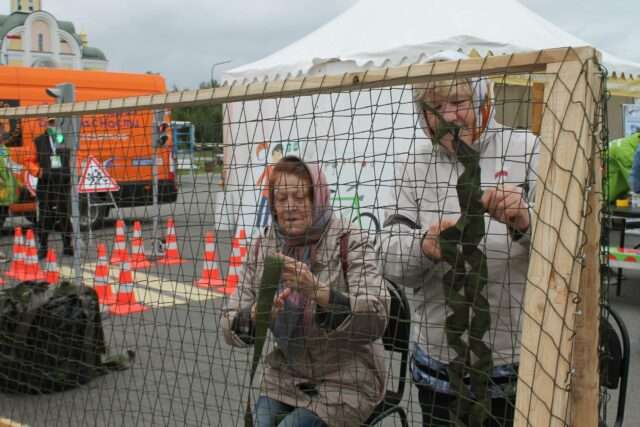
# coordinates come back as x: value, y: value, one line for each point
x: 481, y: 97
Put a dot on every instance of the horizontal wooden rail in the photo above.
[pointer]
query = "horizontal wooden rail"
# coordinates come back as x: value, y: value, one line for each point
x: 517, y: 63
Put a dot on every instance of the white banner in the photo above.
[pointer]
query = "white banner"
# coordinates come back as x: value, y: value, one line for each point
x: 354, y: 135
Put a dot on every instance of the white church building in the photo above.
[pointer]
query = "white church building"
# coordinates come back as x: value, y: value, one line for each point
x: 32, y: 37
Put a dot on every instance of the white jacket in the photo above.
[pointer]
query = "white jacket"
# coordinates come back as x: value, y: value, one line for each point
x: 425, y: 192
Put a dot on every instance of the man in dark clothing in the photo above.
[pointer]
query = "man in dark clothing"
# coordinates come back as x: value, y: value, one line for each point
x: 53, y: 192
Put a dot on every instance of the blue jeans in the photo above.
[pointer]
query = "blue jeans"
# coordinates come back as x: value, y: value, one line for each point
x: 269, y: 411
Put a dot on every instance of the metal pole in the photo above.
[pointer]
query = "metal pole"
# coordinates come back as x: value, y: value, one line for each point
x: 74, y: 143
x: 213, y: 67
x: 156, y: 205
x: 89, y: 222
x: 192, y: 143
x: 158, y: 117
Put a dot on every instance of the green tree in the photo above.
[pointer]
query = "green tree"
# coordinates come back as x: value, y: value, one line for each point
x: 206, y: 118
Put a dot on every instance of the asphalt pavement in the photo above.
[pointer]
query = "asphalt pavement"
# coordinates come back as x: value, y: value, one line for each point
x: 183, y: 373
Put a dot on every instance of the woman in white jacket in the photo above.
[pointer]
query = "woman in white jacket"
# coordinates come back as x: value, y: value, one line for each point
x: 426, y: 203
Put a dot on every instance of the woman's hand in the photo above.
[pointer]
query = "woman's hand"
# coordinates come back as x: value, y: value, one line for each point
x: 431, y: 242
x: 277, y: 307
x: 506, y: 203
x: 297, y: 276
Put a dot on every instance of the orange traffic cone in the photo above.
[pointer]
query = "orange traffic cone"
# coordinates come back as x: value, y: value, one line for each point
x: 101, y: 278
x: 51, y: 268
x: 31, y: 267
x: 138, y: 259
x: 119, y: 252
x: 16, y: 269
x: 233, y: 276
x: 242, y: 241
x: 236, y: 251
x: 125, y: 298
x: 171, y: 253
x: 210, y: 270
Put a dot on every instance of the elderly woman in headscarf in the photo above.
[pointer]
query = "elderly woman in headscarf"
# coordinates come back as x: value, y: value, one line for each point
x: 457, y: 118
x: 328, y: 315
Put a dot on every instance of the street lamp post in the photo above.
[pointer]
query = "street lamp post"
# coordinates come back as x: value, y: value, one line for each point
x: 213, y: 67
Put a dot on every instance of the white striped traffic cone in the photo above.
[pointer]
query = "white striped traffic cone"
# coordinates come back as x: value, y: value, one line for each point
x: 211, y: 277
x: 32, y: 269
x: 51, y: 268
x: 139, y: 260
x: 126, y: 302
x: 101, y: 278
x: 235, y: 269
x: 242, y: 241
x: 16, y: 269
x: 119, y: 252
x: 171, y: 252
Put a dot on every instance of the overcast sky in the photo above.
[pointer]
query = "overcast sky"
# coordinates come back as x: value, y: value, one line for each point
x: 181, y: 39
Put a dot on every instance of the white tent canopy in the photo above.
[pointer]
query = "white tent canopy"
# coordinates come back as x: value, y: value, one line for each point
x: 375, y: 33
x: 372, y: 33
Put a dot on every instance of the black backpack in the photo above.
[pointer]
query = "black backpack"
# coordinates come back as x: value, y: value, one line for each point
x: 51, y: 338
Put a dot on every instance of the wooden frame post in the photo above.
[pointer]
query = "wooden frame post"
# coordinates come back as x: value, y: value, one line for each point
x: 537, y: 100
x: 556, y: 280
x: 585, y: 390
x: 5, y: 422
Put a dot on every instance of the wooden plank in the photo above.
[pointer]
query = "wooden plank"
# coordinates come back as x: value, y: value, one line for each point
x: 518, y: 63
x: 5, y: 422
x: 585, y: 389
x: 537, y: 100
x: 555, y: 268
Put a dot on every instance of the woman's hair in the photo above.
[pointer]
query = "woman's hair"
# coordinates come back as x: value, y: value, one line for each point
x: 460, y: 88
x: 478, y: 90
x: 291, y: 166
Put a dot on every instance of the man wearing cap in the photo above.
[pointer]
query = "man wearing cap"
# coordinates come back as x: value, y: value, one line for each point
x: 54, y: 186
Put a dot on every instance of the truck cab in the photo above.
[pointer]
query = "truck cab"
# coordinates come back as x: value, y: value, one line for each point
x: 121, y: 142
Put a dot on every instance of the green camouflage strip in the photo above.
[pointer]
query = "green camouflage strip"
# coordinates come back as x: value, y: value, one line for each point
x: 464, y: 289
x: 266, y: 293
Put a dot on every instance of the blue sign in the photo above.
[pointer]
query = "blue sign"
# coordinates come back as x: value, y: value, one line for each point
x: 143, y: 162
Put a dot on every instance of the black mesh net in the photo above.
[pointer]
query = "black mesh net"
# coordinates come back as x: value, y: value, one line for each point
x: 399, y: 246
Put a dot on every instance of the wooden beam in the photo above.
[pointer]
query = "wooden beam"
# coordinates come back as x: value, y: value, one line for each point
x: 585, y: 389
x: 555, y: 267
x: 5, y: 422
x: 537, y: 101
x: 518, y: 63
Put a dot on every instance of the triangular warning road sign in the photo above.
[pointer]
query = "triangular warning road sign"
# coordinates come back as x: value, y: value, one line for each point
x: 95, y: 178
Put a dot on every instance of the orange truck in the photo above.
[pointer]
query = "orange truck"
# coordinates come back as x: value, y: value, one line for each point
x: 121, y: 142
